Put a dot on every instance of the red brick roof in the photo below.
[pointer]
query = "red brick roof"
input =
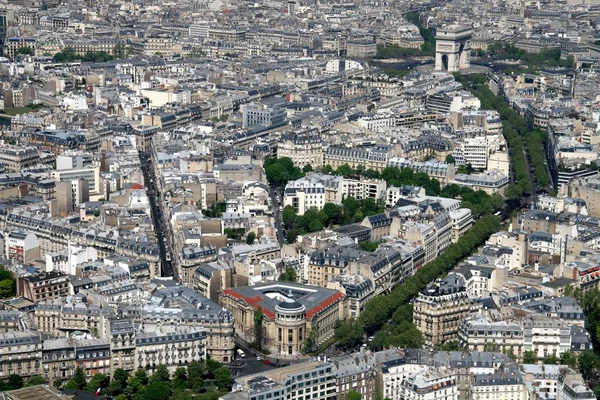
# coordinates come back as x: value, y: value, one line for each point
x: 328, y: 302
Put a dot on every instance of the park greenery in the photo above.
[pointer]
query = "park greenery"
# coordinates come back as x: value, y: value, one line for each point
x: 202, y: 380
x: 280, y: 171
x: 8, y: 284
x: 21, y: 110
x: 68, y: 54
x: 534, y: 61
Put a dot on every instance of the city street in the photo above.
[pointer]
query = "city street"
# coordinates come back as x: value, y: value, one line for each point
x: 274, y: 192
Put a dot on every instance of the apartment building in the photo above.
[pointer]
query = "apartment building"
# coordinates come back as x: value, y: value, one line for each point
x: 64, y: 316
x: 14, y: 44
x: 21, y: 353
x: 170, y: 346
x: 191, y: 257
x: 17, y: 158
x: 356, y: 372
x: 22, y: 246
x: 439, y: 309
x: 364, y: 188
x: 474, y: 151
x: 122, y: 344
x: 430, y: 384
x: 396, y: 366
x: 481, y: 334
x: 498, y: 386
x: 268, y: 117
x: 571, y: 386
x: 81, y: 47
x: 303, y: 195
x: 10, y: 321
x: 90, y: 174
x: 318, y: 379
x: 435, y: 169
x: 303, y: 148
x: 211, y: 278
x: 375, y: 157
x: 44, y: 286
x: 491, y: 182
x: 461, y: 220
x: 361, y: 49
x: 193, y: 310
x: 292, y: 313
x: 59, y: 360
x: 545, y: 336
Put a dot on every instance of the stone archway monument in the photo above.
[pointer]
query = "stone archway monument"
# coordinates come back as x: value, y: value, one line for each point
x: 453, y: 48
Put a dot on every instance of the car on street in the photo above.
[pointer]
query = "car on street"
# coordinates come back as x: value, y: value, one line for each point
x: 259, y: 358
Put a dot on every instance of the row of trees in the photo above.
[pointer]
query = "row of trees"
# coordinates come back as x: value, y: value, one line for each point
x: 479, y: 202
x: 68, y: 54
x: 204, y: 380
x: 391, y: 315
x: 546, y: 58
x: 519, y: 137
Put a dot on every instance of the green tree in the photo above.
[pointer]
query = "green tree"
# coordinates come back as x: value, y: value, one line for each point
x: 289, y: 215
x: 97, y: 381
x: 196, y: 371
x: 212, y: 366
x: 182, y: 395
x: 345, y: 170
x: 307, y: 168
x: 332, y: 211
x: 223, y: 378
x: 451, y: 345
x: 250, y: 238
x: 569, y: 358
x: 349, y: 334
x: 120, y: 376
x: 315, y: 226
x: 258, y: 327
x: 292, y: 234
x: 529, y: 357
x: 25, y: 50
x: 353, y: 395
x: 15, y: 381
x: 180, y: 381
x: 35, y: 380
x: 156, y: 390
x: 7, y: 288
x: 289, y: 275
x: 323, y: 218
x: 368, y: 246
x: 161, y: 374
x: 450, y: 159
x: 551, y: 359
x: 78, y: 381
x: 588, y: 363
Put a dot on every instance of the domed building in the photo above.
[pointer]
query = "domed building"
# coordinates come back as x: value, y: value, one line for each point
x: 295, y: 317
